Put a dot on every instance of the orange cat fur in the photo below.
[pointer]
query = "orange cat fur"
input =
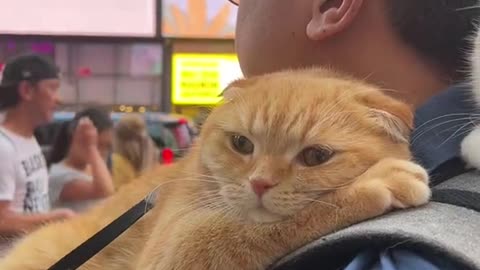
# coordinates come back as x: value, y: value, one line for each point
x: 288, y: 157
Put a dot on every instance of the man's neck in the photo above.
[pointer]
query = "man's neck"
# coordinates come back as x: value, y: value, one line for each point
x: 400, y: 71
x: 410, y: 79
x: 382, y: 58
x: 415, y: 86
x: 19, y: 123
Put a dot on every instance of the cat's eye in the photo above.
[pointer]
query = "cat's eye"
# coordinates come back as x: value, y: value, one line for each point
x: 242, y: 144
x: 314, y: 156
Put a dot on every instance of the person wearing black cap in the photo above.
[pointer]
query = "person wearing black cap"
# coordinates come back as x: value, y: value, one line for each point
x: 28, y: 98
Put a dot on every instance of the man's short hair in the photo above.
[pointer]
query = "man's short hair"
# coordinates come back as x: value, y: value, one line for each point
x: 9, y: 97
x: 440, y: 30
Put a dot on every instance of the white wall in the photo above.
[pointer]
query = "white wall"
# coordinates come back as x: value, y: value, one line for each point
x: 135, y: 18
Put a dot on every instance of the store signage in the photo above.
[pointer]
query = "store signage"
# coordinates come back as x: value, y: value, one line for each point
x: 198, y: 19
x: 199, y: 79
x: 105, y: 18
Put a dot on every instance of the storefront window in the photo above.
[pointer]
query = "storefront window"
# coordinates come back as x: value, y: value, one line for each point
x: 111, y: 74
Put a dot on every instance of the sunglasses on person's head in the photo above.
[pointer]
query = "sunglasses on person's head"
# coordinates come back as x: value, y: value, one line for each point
x: 235, y: 2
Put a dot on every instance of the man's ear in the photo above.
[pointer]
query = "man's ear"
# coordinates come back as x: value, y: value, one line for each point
x: 25, y: 90
x: 331, y: 16
x: 392, y: 116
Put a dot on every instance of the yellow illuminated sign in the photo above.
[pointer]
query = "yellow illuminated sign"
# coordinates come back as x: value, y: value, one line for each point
x: 199, y: 79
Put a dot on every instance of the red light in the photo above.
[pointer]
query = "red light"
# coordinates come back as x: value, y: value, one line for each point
x: 167, y: 156
x: 84, y: 72
x: 182, y: 121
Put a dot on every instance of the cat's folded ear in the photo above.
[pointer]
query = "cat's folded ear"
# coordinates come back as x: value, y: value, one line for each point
x: 235, y: 88
x: 391, y: 115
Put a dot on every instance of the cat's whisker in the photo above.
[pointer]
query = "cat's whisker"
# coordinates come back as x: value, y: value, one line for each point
x: 337, y: 216
x: 159, y: 186
x: 322, y: 191
x: 462, y: 133
x: 221, y: 179
x: 468, y: 8
x: 193, y: 212
x: 367, y: 77
x: 217, y: 213
x: 322, y: 202
x: 205, y: 198
x: 220, y: 207
x: 456, y: 126
x: 188, y: 208
x: 315, y: 188
x: 443, y: 116
x: 465, y: 128
x: 458, y: 134
x: 455, y: 129
x: 423, y: 132
x: 390, y: 90
x: 319, y: 192
x: 208, y: 177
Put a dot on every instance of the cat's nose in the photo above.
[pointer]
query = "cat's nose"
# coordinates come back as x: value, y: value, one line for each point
x: 260, y: 186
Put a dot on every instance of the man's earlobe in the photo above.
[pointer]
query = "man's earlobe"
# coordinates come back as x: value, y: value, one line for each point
x: 331, y: 16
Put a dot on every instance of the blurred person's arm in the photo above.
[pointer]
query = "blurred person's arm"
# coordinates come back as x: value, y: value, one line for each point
x: 12, y: 223
x: 101, y: 185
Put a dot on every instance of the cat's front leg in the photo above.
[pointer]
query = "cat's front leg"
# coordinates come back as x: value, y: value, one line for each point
x: 394, y: 183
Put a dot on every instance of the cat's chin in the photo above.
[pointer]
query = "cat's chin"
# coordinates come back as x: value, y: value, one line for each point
x: 261, y: 215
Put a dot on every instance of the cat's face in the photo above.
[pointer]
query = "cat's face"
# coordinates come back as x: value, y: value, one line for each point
x: 285, y: 139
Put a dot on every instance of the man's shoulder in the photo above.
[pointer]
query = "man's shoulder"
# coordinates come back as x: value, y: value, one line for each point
x: 446, y: 227
x: 7, y: 146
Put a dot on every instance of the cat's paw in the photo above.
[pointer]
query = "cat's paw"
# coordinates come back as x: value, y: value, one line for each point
x: 469, y: 148
x: 408, y: 185
x: 398, y: 183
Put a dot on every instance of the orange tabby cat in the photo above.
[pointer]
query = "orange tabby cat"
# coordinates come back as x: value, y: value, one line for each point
x: 288, y: 157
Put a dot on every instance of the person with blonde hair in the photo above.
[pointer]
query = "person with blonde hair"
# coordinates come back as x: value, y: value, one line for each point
x: 134, y: 150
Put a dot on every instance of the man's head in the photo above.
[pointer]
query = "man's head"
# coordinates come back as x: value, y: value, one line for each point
x: 30, y: 83
x: 384, y: 40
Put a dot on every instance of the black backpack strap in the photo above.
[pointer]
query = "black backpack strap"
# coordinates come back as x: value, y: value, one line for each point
x: 462, y: 198
x: 101, y: 239
x: 448, y: 170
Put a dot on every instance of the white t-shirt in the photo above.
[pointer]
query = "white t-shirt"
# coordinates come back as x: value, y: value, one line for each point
x: 60, y: 175
x: 23, y: 175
